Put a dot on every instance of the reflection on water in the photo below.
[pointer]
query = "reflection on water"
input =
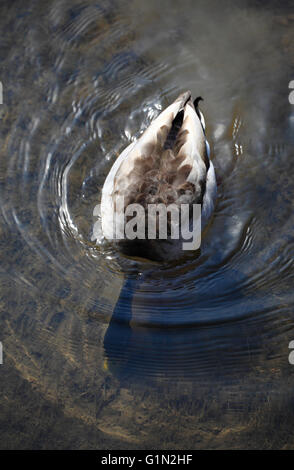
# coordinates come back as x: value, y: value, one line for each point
x: 104, y: 351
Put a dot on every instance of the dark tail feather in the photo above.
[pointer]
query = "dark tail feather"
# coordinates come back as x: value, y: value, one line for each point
x: 196, y: 101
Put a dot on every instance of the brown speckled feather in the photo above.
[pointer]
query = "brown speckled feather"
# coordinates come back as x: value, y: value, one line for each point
x: 169, y: 165
x: 159, y: 174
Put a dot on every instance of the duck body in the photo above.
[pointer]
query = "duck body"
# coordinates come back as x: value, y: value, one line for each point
x: 169, y: 164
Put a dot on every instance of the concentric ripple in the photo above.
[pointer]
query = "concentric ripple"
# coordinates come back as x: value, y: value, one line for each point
x: 99, y: 78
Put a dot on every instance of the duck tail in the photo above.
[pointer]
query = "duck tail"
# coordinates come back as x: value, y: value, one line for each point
x: 196, y: 101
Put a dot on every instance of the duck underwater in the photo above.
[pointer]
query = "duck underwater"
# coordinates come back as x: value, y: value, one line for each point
x: 168, y: 165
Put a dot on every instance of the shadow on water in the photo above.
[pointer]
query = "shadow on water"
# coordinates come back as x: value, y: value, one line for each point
x: 144, y: 340
x: 140, y: 350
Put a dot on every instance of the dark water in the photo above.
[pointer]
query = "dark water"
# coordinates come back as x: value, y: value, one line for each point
x: 101, y: 351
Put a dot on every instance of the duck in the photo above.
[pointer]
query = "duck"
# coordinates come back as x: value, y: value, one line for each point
x: 168, y: 164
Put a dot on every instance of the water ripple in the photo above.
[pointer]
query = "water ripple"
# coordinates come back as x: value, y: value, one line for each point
x: 104, y: 84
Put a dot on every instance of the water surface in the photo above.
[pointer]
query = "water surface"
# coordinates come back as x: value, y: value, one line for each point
x: 101, y: 351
